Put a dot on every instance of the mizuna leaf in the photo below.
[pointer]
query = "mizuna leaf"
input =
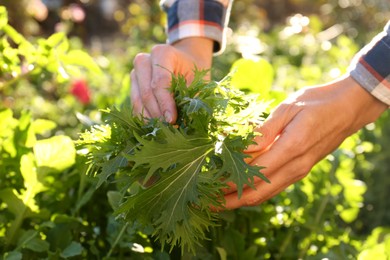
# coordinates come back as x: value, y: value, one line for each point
x: 170, y: 175
x: 195, y: 105
x: 112, y: 166
x: 238, y: 171
x: 124, y: 117
x: 175, y: 148
x: 170, y: 204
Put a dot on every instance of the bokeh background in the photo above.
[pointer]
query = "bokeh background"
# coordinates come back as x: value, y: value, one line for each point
x: 63, y: 61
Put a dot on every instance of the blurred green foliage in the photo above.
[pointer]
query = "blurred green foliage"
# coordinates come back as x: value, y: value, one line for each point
x: 49, y: 208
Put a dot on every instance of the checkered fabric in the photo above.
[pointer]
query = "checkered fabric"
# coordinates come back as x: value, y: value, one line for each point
x: 209, y: 18
x: 197, y: 18
x: 372, y: 66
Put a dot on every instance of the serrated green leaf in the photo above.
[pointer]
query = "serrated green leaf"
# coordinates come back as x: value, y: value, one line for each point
x: 176, y: 148
x: 113, y: 165
x: 124, y: 117
x: 238, y: 170
x: 195, y: 105
x: 170, y: 204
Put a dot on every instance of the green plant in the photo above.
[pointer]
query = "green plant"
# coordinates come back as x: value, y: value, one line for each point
x: 29, y: 167
x: 172, y: 174
x: 52, y: 210
x: 36, y: 75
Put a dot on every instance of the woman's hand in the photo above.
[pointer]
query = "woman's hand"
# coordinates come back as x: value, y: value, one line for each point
x: 301, y: 131
x: 151, y: 76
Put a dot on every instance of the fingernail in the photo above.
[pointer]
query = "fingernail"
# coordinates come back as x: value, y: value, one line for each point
x: 168, y: 116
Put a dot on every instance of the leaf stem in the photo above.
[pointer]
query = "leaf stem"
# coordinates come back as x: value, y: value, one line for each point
x: 117, y: 240
x: 19, y: 219
x: 285, y: 243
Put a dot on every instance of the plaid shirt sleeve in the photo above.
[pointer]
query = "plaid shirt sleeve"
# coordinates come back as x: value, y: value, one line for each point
x: 371, y: 68
x: 197, y: 18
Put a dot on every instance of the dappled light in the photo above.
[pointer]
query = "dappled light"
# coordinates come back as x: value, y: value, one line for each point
x: 80, y: 177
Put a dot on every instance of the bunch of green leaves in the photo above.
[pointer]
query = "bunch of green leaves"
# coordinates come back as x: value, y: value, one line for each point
x: 171, y: 175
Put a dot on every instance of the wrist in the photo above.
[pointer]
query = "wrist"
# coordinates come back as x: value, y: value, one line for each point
x: 200, y: 49
x: 367, y: 107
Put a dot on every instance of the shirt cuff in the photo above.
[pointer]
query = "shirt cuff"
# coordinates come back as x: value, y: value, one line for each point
x: 189, y: 18
x: 371, y: 66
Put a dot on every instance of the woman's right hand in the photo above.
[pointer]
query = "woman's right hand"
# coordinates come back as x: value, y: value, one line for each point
x: 151, y: 76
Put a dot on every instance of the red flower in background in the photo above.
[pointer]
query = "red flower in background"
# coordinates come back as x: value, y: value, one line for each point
x: 80, y: 90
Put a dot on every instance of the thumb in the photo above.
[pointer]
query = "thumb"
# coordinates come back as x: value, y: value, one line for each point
x: 268, y: 132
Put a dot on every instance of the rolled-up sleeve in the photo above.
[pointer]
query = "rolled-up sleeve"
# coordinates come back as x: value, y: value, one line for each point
x: 371, y: 66
x: 197, y: 18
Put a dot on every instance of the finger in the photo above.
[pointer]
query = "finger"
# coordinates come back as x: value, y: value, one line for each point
x: 251, y: 197
x: 161, y: 84
x: 279, y: 181
x: 281, y: 170
x: 290, y: 145
x: 143, y: 77
x: 273, y: 159
x: 232, y: 187
x: 252, y: 156
x: 272, y: 127
x: 163, y: 61
x: 138, y: 108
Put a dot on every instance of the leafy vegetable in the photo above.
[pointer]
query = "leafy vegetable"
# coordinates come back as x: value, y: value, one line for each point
x: 172, y: 174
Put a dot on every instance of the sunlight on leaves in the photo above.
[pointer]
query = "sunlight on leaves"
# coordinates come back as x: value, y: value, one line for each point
x: 57, y: 153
